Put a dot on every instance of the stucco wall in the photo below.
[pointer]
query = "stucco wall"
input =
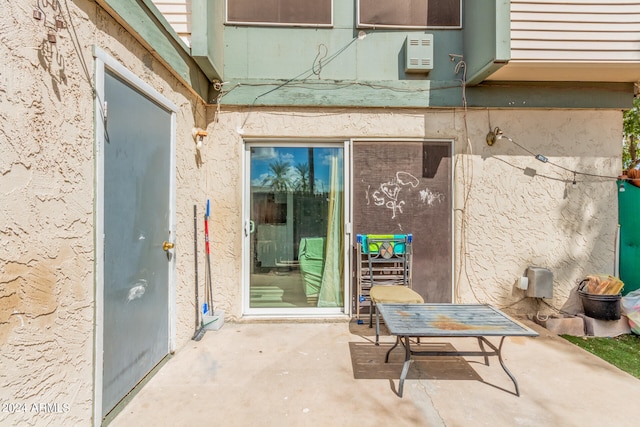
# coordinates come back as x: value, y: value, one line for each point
x: 522, y: 212
x: 511, y: 219
x: 511, y: 210
x: 47, y: 205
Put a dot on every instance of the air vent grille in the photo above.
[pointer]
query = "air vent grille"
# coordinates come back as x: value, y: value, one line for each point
x: 419, y: 54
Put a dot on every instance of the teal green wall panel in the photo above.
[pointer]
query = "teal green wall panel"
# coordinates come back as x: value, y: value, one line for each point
x: 282, y: 55
x: 380, y: 56
x: 329, y: 94
x: 487, y: 37
x: 332, y: 67
x: 270, y: 53
x: 207, y: 36
x: 551, y: 95
x: 334, y: 56
x: 347, y: 66
x: 425, y: 93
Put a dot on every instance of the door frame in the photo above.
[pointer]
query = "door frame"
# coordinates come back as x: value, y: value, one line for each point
x: 103, y: 62
x: 247, y: 311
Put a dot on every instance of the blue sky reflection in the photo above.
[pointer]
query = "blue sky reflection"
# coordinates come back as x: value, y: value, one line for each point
x: 263, y: 157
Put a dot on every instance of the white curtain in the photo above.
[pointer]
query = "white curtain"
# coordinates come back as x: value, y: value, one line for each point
x: 331, y: 292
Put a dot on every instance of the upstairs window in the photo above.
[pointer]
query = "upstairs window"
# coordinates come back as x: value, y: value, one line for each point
x: 417, y: 14
x: 311, y: 13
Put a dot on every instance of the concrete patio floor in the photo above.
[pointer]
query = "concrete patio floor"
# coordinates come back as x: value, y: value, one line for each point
x: 331, y: 374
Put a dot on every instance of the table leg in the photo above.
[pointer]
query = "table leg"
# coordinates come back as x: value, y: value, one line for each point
x: 498, y: 351
x: 515, y: 383
x: 377, y: 326
x: 386, y: 359
x: 486, y: 358
x: 405, y: 367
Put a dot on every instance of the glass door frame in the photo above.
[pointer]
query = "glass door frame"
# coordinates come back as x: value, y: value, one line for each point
x: 284, y: 312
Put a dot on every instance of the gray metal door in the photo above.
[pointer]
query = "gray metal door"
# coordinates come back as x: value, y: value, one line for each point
x: 137, y: 185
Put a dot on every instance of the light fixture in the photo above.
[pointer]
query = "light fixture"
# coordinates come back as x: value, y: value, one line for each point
x: 622, y: 190
x: 493, y: 136
x: 198, y: 136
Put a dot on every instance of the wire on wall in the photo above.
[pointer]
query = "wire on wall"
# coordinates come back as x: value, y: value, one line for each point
x: 467, y: 179
x: 544, y: 159
x: 315, y: 69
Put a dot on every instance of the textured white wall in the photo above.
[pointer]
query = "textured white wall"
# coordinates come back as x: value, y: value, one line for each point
x: 47, y: 202
x: 508, y: 221
x: 511, y: 211
x: 521, y: 212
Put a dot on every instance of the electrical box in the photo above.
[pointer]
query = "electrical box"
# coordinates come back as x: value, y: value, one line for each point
x: 419, y: 53
x: 540, y: 282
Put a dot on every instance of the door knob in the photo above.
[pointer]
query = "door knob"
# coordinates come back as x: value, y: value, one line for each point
x: 167, y: 245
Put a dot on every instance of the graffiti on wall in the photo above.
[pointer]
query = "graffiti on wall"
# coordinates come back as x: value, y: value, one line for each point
x: 390, y: 194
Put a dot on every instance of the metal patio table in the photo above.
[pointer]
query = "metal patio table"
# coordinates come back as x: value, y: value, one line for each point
x: 407, y: 321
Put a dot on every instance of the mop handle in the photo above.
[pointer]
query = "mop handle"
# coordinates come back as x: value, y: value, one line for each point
x: 206, y: 228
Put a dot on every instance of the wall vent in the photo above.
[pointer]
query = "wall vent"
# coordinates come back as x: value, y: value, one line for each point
x: 419, y: 54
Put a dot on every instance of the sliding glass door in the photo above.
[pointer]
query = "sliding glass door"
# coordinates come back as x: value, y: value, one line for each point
x: 294, y: 229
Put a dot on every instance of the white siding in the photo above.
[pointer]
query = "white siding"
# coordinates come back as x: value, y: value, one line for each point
x: 178, y: 14
x: 575, y: 31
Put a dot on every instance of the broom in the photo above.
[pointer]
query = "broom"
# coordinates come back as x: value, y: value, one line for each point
x: 199, y: 320
x: 208, y: 309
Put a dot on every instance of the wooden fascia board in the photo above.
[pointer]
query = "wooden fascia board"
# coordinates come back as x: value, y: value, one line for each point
x: 147, y: 25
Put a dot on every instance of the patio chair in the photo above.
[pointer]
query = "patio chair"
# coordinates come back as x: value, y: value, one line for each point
x: 386, y: 276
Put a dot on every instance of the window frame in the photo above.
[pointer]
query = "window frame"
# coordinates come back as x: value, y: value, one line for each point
x: 360, y: 24
x: 280, y: 24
